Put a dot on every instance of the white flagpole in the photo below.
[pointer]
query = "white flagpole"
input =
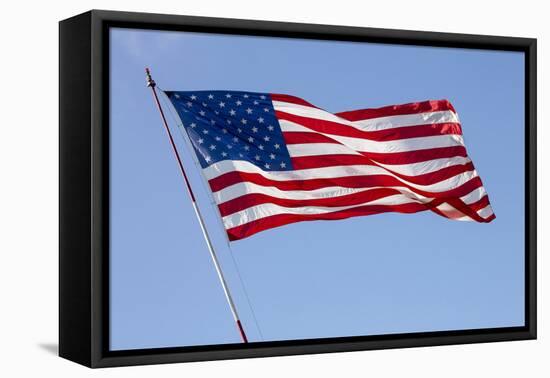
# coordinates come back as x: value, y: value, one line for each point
x: 151, y: 83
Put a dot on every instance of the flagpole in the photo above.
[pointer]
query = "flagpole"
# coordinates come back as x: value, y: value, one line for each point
x: 151, y: 83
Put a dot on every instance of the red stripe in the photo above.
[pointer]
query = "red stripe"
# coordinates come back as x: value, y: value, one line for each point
x: 248, y: 229
x: 358, y: 182
x: 254, y: 199
x: 290, y: 99
x: 458, y: 204
x: 299, y: 137
x: 251, y: 228
x: 479, y: 204
x: 306, y: 162
x: 462, y: 209
x: 233, y: 177
x: 405, y: 132
x: 393, y: 110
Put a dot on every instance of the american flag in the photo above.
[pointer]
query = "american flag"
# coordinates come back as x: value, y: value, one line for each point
x: 275, y: 159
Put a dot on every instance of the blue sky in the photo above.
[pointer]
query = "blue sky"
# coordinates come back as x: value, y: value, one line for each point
x: 381, y: 274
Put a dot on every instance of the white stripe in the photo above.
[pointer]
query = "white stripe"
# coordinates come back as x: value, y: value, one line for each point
x: 452, y: 212
x: 373, y: 124
x: 365, y: 145
x: 486, y: 212
x: 428, y: 118
x: 465, y: 218
x: 308, y: 111
x: 350, y: 146
x: 415, y: 169
x: 242, y: 188
x: 268, y: 209
x: 225, y: 166
x: 288, y: 126
x: 318, y: 149
x: 474, y: 196
x: 446, y: 208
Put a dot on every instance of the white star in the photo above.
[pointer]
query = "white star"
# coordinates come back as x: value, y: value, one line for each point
x: 189, y: 104
x: 229, y: 146
x: 218, y: 138
x: 254, y: 129
x: 267, y: 165
x: 221, y: 104
x: 193, y: 125
x: 212, y: 121
x: 249, y: 111
x: 224, y: 131
x: 205, y: 131
x: 262, y: 97
x: 239, y: 130
x: 243, y: 121
x: 261, y: 147
x: 208, y: 158
x: 250, y: 139
x: 212, y: 147
x: 272, y: 156
x: 266, y: 110
x: 228, y: 95
x: 283, y: 165
x: 215, y: 111
x: 239, y: 103
x: 232, y: 112
x: 201, y: 141
x: 202, y: 113
x: 246, y: 148
x: 276, y: 146
x: 228, y: 121
x: 256, y: 102
x: 193, y: 97
x: 241, y: 155
x: 266, y: 138
x: 257, y: 157
x: 235, y: 139
x: 245, y: 96
x: 210, y: 97
x: 176, y: 95
x: 270, y: 128
x: 204, y: 104
x: 224, y: 154
x: 261, y: 120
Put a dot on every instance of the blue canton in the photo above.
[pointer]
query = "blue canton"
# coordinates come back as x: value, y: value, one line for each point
x: 230, y: 125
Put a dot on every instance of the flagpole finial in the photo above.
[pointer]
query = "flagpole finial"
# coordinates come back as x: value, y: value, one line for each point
x: 150, y: 82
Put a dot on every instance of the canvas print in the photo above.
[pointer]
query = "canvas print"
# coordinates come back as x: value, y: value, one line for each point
x: 273, y: 189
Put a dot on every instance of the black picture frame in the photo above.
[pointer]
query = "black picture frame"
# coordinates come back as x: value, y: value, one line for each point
x: 84, y: 189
